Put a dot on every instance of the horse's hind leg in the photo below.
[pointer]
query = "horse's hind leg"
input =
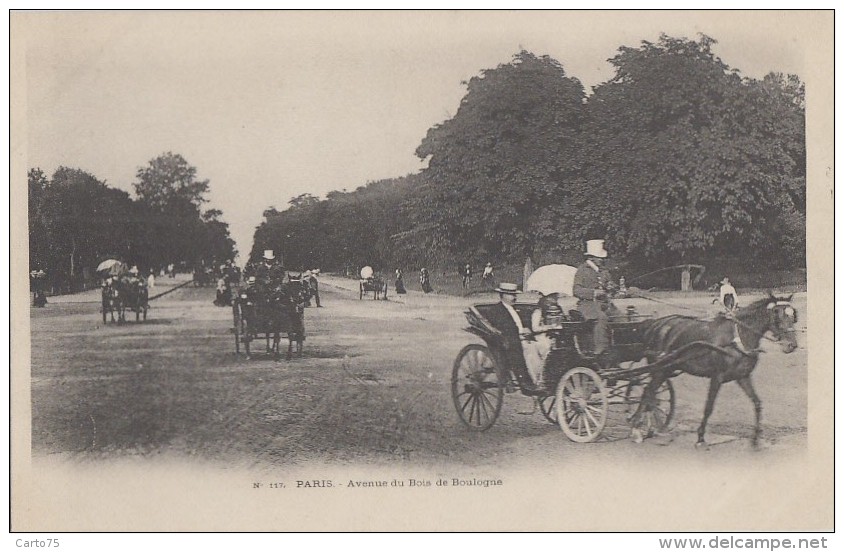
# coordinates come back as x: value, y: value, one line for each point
x: 714, y: 386
x: 747, y: 386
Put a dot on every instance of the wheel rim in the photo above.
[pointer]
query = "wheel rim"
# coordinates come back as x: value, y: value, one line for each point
x: 477, y: 388
x: 582, y: 405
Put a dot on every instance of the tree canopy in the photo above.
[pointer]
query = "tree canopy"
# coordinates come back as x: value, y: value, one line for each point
x: 77, y: 220
x: 676, y: 158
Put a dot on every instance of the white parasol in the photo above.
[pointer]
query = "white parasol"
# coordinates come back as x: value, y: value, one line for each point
x: 366, y: 272
x: 111, y: 267
x: 554, y: 278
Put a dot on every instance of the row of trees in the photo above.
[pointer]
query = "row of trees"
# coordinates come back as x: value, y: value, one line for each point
x: 77, y: 221
x: 677, y: 158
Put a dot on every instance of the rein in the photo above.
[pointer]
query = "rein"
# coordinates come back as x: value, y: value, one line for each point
x: 728, y: 314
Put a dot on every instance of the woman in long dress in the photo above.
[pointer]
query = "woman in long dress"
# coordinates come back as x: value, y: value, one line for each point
x: 546, y: 316
x: 400, y: 282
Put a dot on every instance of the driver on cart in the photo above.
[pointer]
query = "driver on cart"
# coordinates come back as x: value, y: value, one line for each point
x: 269, y: 274
x: 593, y: 286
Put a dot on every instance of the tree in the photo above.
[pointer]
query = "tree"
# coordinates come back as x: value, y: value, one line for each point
x: 75, y: 220
x: 510, y: 151
x: 169, y: 177
x: 170, y: 197
x: 39, y: 237
x: 685, y: 157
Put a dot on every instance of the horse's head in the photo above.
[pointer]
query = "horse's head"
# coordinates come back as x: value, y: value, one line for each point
x: 781, y: 319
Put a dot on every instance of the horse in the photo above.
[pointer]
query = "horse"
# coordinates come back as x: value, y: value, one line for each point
x: 112, y: 302
x: 723, y: 350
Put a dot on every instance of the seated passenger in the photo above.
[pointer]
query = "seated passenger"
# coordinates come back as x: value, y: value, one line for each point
x: 547, y: 316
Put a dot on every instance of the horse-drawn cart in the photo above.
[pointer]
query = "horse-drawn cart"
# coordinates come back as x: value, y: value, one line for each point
x: 578, y: 393
x: 267, y: 313
x: 370, y: 283
x: 580, y: 389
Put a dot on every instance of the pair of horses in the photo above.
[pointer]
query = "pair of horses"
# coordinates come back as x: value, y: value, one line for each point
x: 723, y: 350
x: 273, y: 312
x: 124, y: 294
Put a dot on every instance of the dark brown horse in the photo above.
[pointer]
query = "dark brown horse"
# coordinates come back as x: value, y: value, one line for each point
x: 722, y: 350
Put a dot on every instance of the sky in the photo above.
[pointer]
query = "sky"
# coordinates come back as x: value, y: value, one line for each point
x: 270, y: 105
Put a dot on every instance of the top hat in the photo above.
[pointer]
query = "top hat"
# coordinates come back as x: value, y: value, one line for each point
x: 595, y: 248
x: 268, y: 254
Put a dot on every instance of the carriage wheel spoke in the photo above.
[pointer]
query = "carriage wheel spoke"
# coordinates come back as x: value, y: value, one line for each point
x: 591, y: 417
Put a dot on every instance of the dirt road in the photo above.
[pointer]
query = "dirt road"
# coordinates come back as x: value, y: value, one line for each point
x: 370, y: 388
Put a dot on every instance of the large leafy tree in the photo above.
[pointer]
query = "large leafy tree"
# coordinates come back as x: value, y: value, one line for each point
x: 170, y: 197
x: 509, y: 153
x: 76, y: 220
x: 168, y: 177
x: 686, y: 157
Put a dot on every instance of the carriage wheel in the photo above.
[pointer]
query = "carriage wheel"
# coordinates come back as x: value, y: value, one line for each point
x: 582, y: 404
x: 548, y: 406
x: 477, y: 387
x: 146, y: 308
x: 661, y: 413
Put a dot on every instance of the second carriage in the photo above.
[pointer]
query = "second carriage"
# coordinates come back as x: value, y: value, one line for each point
x: 261, y: 312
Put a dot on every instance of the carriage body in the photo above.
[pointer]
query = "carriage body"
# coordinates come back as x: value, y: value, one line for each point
x: 578, y: 391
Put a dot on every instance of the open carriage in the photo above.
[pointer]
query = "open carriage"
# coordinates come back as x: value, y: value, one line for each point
x: 580, y: 388
x: 267, y: 314
x: 578, y: 392
x: 122, y: 290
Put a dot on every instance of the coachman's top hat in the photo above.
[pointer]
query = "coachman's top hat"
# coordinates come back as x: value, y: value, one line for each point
x: 595, y: 248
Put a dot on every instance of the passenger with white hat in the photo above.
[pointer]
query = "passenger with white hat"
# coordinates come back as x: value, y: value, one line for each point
x: 519, y: 341
x: 592, y: 286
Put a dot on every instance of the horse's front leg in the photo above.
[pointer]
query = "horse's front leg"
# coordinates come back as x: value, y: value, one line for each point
x: 747, y: 386
x: 646, y: 403
x: 714, y: 386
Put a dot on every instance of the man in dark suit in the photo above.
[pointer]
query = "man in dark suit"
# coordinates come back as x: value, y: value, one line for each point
x: 505, y: 319
x: 592, y: 285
